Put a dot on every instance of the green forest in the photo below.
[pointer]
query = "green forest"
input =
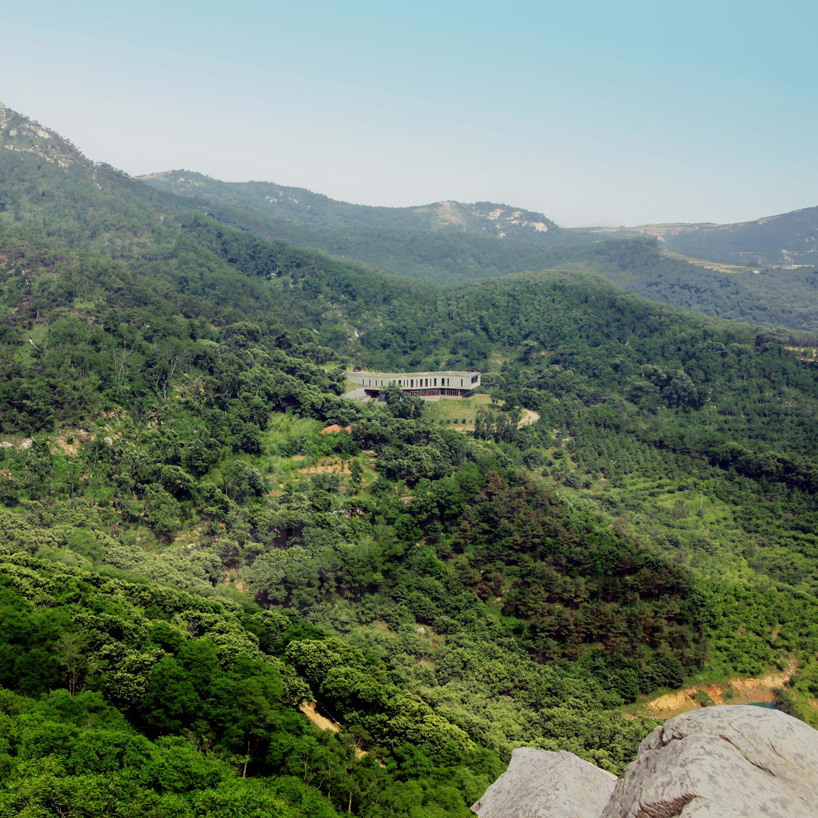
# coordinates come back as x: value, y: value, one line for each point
x: 410, y: 242
x: 188, y: 557
x: 787, y: 239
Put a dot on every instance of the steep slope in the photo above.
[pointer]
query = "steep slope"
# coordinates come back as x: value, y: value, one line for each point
x: 55, y: 199
x: 51, y: 188
x: 18, y: 133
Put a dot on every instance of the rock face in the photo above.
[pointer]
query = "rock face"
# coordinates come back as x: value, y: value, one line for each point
x: 731, y: 761
x: 541, y: 784
x: 18, y: 133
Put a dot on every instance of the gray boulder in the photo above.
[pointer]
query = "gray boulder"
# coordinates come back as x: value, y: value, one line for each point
x: 732, y: 761
x: 542, y: 784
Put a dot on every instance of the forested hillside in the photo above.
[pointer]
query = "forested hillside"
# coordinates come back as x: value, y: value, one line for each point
x: 313, y: 210
x: 783, y: 298
x: 186, y: 557
x: 412, y: 241
x: 784, y: 240
x: 787, y: 240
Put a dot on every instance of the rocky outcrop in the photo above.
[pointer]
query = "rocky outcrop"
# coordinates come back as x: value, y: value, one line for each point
x: 540, y: 784
x: 18, y: 133
x: 732, y: 761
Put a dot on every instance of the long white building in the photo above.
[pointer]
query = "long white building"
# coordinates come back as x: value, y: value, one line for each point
x: 423, y: 384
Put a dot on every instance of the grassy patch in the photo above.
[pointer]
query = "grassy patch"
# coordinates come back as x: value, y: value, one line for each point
x: 457, y: 412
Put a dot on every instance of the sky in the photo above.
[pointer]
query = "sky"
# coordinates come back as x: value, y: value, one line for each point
x: 590, y: 112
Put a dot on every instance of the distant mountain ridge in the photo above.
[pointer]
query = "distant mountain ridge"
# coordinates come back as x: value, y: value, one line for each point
x: 454, y: 243
x: 316, y: 210
x: 786, y: 240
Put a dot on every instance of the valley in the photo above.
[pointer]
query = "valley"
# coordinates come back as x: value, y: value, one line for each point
x: 202, y: 536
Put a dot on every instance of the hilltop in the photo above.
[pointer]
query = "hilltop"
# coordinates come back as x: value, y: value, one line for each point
x: 315, y: 210
x: 18, y: 133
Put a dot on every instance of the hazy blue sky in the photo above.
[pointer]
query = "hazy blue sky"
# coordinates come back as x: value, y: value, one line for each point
x: 592, y: 112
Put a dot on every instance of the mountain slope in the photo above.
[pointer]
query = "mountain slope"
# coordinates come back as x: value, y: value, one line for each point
x: 785, y: 298
x: 460, y: 243
x: 315, y: 210
x: 775, y: 241
x: 18, y: 133
x: 444, y: 596
x: 785, y: 240
x: 447, y: 242
x: 161, y: 404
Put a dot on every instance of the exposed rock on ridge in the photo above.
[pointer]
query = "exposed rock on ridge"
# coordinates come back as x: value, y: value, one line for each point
x: 731, y: 761
x: 316, y: 210
x: 18, y: 133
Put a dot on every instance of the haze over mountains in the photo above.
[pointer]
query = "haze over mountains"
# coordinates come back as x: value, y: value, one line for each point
x: 186, y: 556
x: 451, y: 242
x: 315, y: 210
x: 784, y: 240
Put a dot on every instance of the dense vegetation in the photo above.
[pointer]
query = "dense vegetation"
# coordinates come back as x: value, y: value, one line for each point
x: 780, y: 297
x: 126, y: 699
x: 313, y: 210
x: 386, y: 238
x: 402, y: 240
x: 776, y: 240
x: 186, y: 557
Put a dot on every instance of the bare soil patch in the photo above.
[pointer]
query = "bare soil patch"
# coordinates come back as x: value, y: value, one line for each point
x: 528, y: 418
x: 310, y: 710
x: 740, y: 690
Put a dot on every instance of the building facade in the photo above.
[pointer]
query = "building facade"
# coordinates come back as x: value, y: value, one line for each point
x: 423, y: 384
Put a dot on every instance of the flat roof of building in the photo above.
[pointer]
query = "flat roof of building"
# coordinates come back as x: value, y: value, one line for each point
x: 448, y: 372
